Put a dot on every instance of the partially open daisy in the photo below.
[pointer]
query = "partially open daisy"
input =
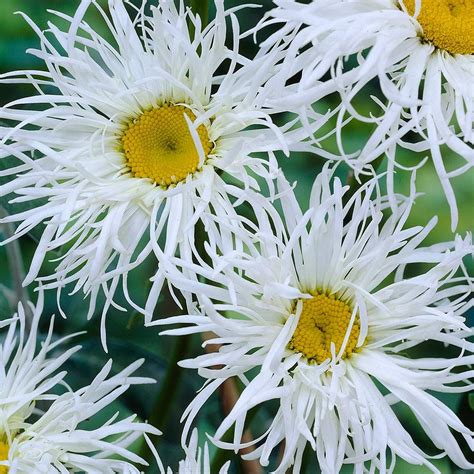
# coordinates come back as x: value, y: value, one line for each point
x: 42, y: 430
x: 320, y: 318
x: 421, y: 52
x: 129, y: 150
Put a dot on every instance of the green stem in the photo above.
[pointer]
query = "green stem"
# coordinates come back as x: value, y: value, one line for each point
x: 162, y: 407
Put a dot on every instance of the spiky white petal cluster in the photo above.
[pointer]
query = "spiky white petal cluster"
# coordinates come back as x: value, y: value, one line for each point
x: 42, y: 429
x: 196, y: 460
x: 68, y: 157
x: 252, y: 304
x: 427, y: 90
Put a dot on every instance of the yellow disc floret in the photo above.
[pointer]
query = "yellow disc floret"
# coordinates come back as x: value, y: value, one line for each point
x: 448, y: 24
x: 159, y: 145
x: 3, y: 456
x: 324, y: 319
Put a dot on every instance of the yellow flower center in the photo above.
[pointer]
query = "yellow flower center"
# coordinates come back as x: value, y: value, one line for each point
x: 324, y: 320
x: 448, y: 24
x: 3, y: 456
x: 158, y: 145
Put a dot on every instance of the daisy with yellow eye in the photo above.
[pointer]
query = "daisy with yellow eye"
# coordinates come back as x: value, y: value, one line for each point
x: 317, y: 318
x: 47, y: 427
x: 135, y: 141
x: 421, y: 54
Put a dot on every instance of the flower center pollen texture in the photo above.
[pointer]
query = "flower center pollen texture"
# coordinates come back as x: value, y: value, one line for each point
x: 448, y: 24
x: 3, y: 456
x: 159, y: 145
x: 324, y: 320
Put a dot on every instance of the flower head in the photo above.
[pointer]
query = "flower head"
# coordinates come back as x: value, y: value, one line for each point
x: 42, y: 430
x: 128, y: 153
x: 316, y: 311
x: 421, y: 55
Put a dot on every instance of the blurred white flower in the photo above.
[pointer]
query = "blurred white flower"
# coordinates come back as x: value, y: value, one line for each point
x: 128, y: 153
x: 41, y: 431
x: 423, y: 63
x: 317, y: 312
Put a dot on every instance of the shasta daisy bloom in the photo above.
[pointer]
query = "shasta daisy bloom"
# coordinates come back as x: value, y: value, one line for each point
x: 127, y: 155
x: 421, y: 52
x: 42, y: 431
x: 318, y: 315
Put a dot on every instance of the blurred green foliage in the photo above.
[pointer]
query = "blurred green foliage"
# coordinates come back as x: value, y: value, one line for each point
x: 127, y: 338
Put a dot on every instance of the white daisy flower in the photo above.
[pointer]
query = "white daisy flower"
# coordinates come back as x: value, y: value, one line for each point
x: 127, y: 155
x: 421, y: 52
x: 40, y: 430
x: 319, y: 318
